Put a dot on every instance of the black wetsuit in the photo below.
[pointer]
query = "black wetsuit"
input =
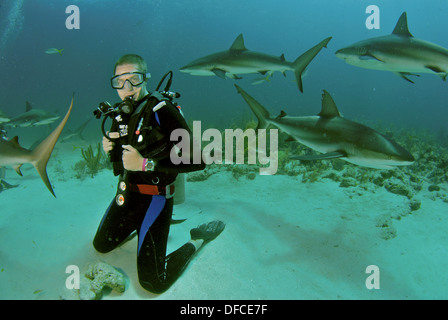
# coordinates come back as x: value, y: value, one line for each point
x: 149, y: 215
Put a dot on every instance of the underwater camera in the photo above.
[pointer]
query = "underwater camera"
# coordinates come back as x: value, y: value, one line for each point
x: 124, y: 107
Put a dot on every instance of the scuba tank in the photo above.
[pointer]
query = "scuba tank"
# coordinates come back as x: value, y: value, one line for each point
x: 179, y: 183
x: 179, y: 189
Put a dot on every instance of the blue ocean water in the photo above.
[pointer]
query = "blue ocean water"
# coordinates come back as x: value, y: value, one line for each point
x: 170, y: 34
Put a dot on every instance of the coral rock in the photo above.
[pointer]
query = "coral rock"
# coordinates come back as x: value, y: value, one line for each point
x: 98, y: 276
x: 104, y: 275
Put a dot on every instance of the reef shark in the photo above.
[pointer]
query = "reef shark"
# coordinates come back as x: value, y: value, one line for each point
x: 398, y: 52
x: 12, y: 154
x: 239, y: 60
x: 32, y: 117
x: 334, y: 136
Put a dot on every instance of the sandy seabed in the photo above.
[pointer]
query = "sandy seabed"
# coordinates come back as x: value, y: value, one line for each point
x: 284, y: 239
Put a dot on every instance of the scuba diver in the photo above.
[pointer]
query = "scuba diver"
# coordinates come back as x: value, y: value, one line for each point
x: 139, y: 147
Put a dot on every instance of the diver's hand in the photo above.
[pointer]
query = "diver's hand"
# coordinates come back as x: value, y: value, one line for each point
x: 132, y: 159
x: 107, y: 144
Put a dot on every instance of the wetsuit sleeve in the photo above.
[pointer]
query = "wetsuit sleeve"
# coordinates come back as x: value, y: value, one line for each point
x: 171, y: 119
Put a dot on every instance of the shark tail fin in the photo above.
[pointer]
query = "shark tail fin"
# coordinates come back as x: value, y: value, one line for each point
x: 43, y: 151
x: 260, y: 112
x: 304, y: 60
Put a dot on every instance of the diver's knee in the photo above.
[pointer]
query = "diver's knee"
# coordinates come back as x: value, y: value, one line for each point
x: 101, y: 247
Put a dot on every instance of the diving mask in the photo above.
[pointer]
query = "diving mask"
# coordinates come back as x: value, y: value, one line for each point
x: 134, y: 78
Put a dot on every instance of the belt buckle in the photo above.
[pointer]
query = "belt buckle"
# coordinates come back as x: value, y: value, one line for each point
x: 168, y: 193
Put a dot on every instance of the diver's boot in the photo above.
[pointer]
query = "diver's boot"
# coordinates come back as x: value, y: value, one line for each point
x: 207, y: 232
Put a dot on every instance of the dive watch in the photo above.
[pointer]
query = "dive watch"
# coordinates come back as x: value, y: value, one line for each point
x: 149, y: 165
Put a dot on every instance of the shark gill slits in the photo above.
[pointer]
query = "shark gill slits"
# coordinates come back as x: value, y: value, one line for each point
x: 362, y: 51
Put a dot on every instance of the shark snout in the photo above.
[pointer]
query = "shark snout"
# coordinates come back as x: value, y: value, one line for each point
x: 342, y: 53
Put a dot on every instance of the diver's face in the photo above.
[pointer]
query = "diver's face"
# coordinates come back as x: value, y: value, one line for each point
x: 136, y: 92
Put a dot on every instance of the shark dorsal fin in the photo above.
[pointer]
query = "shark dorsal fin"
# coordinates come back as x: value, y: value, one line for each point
x: 28, y: 106
x: 238, y: 44
x: 401, y: 29
x: 329, y: 109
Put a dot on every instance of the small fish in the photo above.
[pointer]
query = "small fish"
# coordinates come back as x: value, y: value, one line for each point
x: 37, y: 291
x: 53, y: 51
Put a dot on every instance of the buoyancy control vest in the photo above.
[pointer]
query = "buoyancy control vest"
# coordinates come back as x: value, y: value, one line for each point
x: 143, y: 131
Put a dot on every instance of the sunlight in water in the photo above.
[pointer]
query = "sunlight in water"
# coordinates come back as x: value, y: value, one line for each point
x: 12, y: 24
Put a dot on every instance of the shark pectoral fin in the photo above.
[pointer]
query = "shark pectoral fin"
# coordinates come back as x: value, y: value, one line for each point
x: 440, y: 72
x: 405, y: 74
x: 325, y: 156
x: 219, y: 72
